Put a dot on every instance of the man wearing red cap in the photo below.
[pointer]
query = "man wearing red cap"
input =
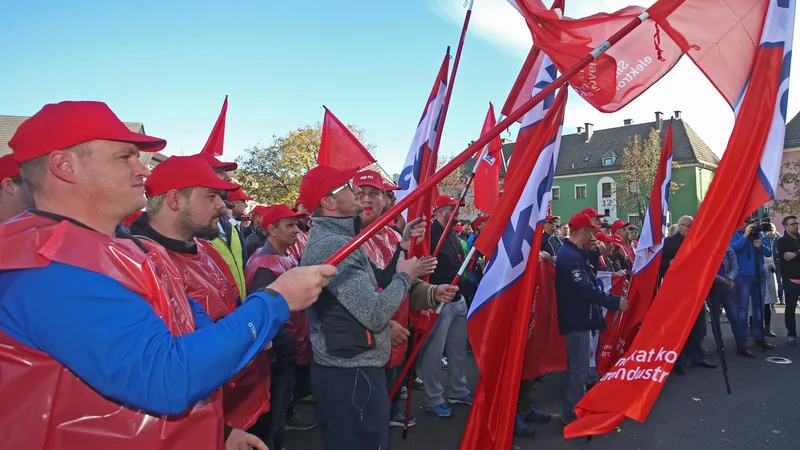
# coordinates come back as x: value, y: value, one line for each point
x: 381, y: 248
x: 15, y: 197
x: 183, y: 207
x: 255, y: 234
x: 103, y: 324
x: 291, y: 344
x: 579, y: 300
x: 450, y: 331
x: 620, y: 228
x: 350, y: 332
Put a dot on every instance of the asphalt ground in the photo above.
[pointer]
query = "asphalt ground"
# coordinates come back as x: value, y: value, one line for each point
x: 693, y: 411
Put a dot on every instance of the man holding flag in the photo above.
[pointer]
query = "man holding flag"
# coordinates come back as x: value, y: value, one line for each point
x: 576, y: 293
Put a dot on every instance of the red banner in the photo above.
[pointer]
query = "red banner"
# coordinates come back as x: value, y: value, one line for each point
x: 547, y: 349
x: 487, y: 174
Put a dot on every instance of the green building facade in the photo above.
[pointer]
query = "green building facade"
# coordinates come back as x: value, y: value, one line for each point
x: 588, y: 169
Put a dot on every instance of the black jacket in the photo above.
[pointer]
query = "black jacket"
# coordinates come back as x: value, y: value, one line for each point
x: 578, y: 296
x: 671, y: 246
x: 788, y: 244
x: 255, y: 241
x: 450, y: 257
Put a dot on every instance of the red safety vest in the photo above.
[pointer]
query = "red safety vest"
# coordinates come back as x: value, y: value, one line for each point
x: 247, y: 395
x: 297, y: 249
x: 297, y: 325
x: 44, y: 405
x: 380, y: 249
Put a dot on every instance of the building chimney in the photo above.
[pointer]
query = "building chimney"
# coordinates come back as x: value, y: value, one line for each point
x: 580, y: 130
x: 627, y: 122
x: 677, y: 115
x: 659, y: 120
x: 589, y: 130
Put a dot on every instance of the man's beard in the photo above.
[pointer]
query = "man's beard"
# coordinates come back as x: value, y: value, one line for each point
x: 190, y: 228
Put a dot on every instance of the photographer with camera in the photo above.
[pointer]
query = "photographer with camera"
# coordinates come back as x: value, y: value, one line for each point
x: 789, y: 256
x: 748, y: 243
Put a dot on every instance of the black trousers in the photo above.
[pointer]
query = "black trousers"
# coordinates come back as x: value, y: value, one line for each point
x: 271, y: 427
x: 792, y: 292
x: 352, y: 407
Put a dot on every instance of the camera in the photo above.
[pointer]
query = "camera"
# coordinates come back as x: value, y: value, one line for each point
x: 762, y: 225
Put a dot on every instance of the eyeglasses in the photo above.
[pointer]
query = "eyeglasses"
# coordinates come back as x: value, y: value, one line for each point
x: 349, y: 184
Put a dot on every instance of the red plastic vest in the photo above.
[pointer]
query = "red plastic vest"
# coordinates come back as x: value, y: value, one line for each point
x: 44, y: 405
x: 297, y: 326
x: 297, y: 249
x: 380, y: 249
x: 247, y: 395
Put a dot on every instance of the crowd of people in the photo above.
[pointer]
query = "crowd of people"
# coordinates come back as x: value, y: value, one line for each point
x: 167, y: 317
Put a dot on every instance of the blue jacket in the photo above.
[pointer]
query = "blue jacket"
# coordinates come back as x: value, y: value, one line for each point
x: 745, y: 251
x: 578, y: 296
x: 112, y: 340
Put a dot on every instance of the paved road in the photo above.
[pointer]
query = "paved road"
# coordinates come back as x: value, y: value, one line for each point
x: 763, y: 411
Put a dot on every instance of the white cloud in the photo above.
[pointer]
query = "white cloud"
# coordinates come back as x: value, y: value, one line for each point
x: 684, y: 88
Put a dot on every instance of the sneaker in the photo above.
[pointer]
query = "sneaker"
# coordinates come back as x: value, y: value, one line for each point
x: 466, y: 400
x: 521, y: 428
x: 297, y: 423
x: 308, y: 399
x: 793, y: 341
x: 536, y: 416
x: 399, y: 420
x: 442, y: 410
x: 403, y: 392
x: 417, y: 384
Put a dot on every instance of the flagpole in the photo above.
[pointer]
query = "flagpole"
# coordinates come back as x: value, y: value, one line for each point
x: 419, y: 340
x: 434, y: 156
x: 470, y: 151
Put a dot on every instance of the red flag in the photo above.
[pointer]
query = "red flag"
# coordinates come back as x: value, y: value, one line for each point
x: 487, y: 174
x: 746, y: 178
x: 546, y: 348
x: 603, y: 342
x: 648, y: 259
x: 216, y: 140
x: 619, y: 75
x: 339, y: 148
x: 520, y: 92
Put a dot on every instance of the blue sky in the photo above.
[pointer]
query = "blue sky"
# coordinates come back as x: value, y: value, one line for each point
x: 170, y: 65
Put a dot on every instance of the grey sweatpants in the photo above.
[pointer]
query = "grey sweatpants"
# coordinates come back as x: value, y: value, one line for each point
x: 448, y: 336
x: 577, y: 371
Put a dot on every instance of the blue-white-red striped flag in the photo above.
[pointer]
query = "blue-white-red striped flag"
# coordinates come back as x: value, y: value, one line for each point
x: 499, y: 316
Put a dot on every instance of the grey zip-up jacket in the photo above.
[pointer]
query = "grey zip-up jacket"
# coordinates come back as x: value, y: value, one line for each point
x: 350, y: 320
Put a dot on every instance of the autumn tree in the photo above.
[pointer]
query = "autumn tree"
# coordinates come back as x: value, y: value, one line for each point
x: 453, y: 184
x: 639, y: 163
x: 272, y: 173
x: 788, y: 182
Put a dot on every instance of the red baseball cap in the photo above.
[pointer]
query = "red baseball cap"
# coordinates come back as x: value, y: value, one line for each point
x: 369, y: 178
x: 390, y: 187
x: 217, y: 164
x: 62, y: 125
x: 602, y: 237
x: 259, y: 210
x: 445, y: 200
x: 551, y: 218
x: 581, y: 220
x: 616, y: 240
x: 591, y: 212
x: 479, y: 220
x: 8, y: 167
x: 320, y: 181
x: 278, y: 212
x: 237, y: 194
x: 618, y: 224
x: 180, y: 172
x: 459, y: 228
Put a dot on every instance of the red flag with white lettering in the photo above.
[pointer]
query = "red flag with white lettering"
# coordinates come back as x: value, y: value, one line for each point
x: 487, y: 175
x: 746, y: 179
